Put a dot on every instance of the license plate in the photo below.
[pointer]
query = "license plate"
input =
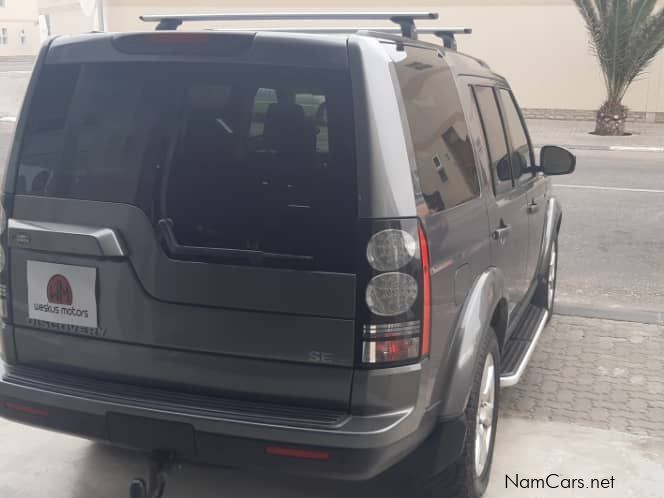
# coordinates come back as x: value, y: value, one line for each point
x: 62, y: 294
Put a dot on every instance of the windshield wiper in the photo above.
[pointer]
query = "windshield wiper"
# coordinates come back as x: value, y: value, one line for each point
x: 165, y: 226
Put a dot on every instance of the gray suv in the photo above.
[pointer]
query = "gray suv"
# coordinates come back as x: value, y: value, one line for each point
x: 315, y: 253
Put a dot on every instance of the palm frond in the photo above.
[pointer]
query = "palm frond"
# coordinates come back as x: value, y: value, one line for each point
x: 625, y: 35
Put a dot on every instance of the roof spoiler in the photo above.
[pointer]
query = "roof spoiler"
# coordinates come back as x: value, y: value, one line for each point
x: 447, y: 35
x: 405, y: 20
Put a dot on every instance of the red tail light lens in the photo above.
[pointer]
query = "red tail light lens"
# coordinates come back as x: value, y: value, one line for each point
x: 426, y: 292
x: 391, y: 351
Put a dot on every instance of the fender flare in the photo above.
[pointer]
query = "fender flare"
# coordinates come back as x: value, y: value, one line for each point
x: 554, y: 214
x: 474, y: 319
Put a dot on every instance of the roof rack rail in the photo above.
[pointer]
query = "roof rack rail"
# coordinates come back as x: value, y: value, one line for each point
x: 448, y: 36
x: 405, y: 20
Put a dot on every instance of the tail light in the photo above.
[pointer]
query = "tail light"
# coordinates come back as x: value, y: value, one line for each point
x: 396, y: 297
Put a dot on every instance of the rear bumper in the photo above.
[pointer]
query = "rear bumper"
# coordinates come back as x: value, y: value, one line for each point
x: 343, y: 446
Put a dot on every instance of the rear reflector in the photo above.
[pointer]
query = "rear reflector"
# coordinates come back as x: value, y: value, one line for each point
x: 30, y: 410
x: 297, y: 453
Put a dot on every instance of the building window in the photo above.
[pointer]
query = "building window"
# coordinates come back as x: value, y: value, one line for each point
x: 3, y: 36
x: 21, y: 35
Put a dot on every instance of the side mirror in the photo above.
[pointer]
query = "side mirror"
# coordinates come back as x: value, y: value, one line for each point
x: 555, y: 160
x: 503, y: 168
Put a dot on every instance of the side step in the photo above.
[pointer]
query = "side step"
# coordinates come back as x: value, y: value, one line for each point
x: 521, y: 345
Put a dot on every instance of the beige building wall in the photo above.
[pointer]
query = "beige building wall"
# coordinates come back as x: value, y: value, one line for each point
x: 540, y: 46
x: 19, y: 31
x: 65, y: 17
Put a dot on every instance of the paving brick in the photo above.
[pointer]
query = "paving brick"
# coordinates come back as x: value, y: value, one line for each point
x: 599, y: 414
x: 583, y: 404
x: 565, y: 396
x: 619, y: 396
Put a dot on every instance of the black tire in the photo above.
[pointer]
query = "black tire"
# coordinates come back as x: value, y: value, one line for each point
x: 460, y: 480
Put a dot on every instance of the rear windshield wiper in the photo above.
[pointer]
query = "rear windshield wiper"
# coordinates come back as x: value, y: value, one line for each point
x: 176, y: 249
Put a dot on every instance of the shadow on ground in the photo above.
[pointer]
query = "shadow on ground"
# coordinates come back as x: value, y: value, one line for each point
x: 105, y: 472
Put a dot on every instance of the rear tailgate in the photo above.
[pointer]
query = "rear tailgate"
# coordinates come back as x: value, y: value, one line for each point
x: 250, y: 291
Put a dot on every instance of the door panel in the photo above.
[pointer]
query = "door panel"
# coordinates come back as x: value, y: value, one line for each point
x: 523, y: 162
x: 507, y: 211
x: 509, y: 244
x: 537, y: 200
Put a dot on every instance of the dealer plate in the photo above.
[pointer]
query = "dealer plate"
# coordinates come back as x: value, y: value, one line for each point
x: 62, y: 294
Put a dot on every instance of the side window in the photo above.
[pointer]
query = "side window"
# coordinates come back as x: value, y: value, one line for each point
x: 442, y: 144
x: 495, y: 138
x: 521, y: 153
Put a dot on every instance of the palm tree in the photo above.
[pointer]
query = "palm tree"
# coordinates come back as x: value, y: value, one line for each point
x: 625, y: 35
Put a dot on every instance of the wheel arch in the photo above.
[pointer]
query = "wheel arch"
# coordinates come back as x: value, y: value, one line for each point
x: 552, y: 224
x: 483, y: 305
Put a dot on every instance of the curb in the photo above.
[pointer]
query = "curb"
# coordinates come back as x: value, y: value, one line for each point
x: 611, y: 148
x: 616, y: 313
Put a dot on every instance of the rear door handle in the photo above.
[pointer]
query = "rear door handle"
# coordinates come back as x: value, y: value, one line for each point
x: 67, y: 239
x: 500, y: 234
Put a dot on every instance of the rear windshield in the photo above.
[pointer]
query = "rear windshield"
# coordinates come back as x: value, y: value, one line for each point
x: 255, y: 159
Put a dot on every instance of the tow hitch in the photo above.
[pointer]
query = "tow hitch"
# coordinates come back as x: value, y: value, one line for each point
x: 160, y: 467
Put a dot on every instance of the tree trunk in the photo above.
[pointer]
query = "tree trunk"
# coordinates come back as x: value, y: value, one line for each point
x: 611, y: 119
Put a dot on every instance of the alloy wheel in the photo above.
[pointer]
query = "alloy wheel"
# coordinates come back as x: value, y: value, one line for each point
x: 485, y: 415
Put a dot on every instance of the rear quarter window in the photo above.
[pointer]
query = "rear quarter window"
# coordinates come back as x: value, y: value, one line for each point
x: 443, y: 150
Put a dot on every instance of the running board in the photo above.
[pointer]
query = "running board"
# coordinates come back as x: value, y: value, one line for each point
x: 521, y: 345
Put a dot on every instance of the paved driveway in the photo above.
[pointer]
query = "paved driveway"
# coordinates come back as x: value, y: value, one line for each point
x: 599, y: 373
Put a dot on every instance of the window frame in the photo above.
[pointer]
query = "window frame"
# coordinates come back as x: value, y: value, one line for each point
x: 494, y: 182
x: 508, y: 132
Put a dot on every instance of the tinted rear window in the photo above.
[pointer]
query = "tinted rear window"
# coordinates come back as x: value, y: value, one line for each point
x: 238, y: 157
x: 443, y: 151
